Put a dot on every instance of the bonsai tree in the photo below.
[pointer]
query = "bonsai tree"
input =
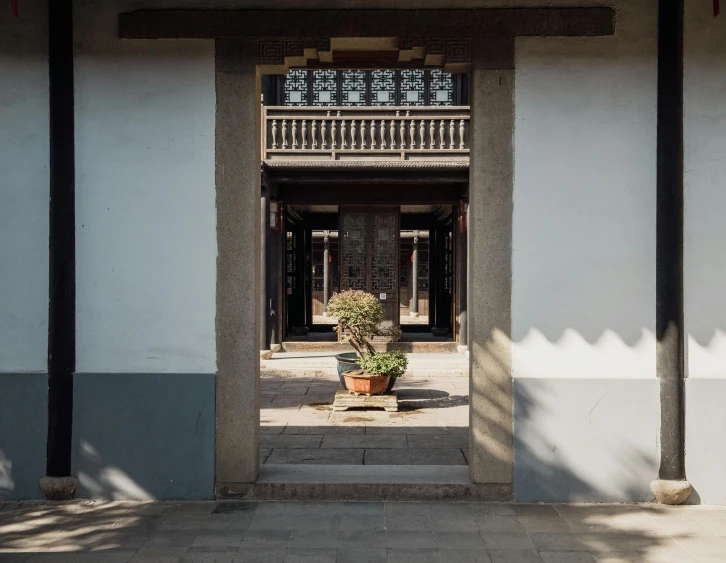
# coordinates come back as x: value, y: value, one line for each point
x: 359, y: 313
x: 392, y: 364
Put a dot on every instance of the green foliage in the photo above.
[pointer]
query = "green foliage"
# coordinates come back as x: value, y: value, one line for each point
x: 359, y: 313
x: 392, y: 364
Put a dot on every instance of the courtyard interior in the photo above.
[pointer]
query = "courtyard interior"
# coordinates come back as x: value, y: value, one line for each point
x: 299, y: 425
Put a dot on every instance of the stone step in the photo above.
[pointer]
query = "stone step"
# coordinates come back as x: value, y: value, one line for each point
x: 416, y: 347
x: 364, y: 483
x: 333, y: 372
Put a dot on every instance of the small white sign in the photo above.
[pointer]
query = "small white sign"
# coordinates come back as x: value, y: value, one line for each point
x: 383, y: 296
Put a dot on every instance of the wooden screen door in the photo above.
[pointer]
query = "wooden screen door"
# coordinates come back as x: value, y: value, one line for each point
x: 369, y: 246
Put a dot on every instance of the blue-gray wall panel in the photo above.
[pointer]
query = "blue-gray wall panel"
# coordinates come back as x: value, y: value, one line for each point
x: 23, y: 431
x: 705, y: 439
x: 142, y: 436
x: 590, y: 440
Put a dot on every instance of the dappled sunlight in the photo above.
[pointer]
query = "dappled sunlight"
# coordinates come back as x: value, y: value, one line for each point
x: 107, y: 481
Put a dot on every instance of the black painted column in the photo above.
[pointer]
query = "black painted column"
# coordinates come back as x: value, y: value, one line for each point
x: 62, y: 260
x: 326, y: 273
x: 273, y: 274
x: 462, y: 278
x: 264, y: 301
x: 414, y: 277
x: 669, y: 251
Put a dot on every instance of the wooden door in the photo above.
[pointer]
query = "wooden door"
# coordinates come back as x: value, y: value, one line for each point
x: 369, y: 246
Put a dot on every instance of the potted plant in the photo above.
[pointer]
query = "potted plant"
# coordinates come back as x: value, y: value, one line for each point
x: 359, y: 315
x: 378, y: 373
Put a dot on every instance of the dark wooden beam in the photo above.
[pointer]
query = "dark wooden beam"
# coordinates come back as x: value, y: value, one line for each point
x: 260, y: 24
x: 62, y: 244
x: 382, y: 194
x: 669, y: 240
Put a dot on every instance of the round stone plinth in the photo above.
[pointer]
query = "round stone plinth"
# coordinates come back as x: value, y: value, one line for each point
x: 265, y: 354
x: 58, y: 488
x: 411, y: 314
x: 670, y: 492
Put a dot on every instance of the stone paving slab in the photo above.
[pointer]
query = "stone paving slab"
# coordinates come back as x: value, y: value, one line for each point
x: 430, y: 429
x: 350, y: 532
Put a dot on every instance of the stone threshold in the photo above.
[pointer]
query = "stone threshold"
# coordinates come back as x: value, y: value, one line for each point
x: 364, y: 483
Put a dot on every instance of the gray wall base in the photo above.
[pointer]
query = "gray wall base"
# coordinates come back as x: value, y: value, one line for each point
x: 585, y: 440
x: 705, y: 442
x: 23, y: 431
x: 144, y: 436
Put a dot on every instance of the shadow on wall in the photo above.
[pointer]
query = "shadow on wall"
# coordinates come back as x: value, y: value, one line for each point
x: 574, y: 440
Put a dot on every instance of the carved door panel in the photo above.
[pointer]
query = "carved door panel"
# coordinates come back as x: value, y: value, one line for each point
x: 369, y: 241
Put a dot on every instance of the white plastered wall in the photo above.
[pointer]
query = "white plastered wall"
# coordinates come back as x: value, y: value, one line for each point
x: 704, y: 255
x: 583, y: 296
x: 23, y: 190
x: 583, y: 264
x: 145, y: 193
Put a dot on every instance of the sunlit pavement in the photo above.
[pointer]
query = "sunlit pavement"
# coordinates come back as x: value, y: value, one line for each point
x: 270, y: 532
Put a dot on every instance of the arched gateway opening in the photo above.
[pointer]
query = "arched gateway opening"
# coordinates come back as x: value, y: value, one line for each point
x: 252, y: 44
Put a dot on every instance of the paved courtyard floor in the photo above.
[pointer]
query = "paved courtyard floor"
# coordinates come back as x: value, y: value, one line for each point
x: 287, y: 532
x: 299, y: 426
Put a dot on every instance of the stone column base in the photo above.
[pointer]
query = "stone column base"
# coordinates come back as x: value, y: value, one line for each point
x: 462, y: 349
x: 326, y: 314
x: 670, y: 492
x: 412, y: 314
x: 265, y: 354
x: 275, y: 348
x: 58, y: 488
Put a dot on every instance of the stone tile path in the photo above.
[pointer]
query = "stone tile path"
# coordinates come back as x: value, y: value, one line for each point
x: 269, y: 532
x: 298, y: 424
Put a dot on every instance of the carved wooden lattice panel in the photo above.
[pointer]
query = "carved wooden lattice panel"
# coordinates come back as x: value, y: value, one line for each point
x: 296, y: 88
x: 354, y: 250
x: 441, y: 89
x: 353, y: 88
x: 413, y: 88
x: 383, y: 88
x: 369, y: 241
x: 325, y: 88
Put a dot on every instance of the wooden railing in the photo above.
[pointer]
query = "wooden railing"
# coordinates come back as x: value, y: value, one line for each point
x: 386, y: 133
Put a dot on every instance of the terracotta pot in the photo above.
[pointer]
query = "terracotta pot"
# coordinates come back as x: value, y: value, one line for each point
x: 358, y: 382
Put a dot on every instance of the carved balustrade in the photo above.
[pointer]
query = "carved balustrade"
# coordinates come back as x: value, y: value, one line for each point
x: 368, y: 133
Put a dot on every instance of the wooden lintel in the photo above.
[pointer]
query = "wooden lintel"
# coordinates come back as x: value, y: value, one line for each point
x: 270, y: 24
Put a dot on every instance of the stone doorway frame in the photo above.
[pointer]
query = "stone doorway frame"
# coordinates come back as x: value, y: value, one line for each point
x: 482, y: 43
x: 238, y: 178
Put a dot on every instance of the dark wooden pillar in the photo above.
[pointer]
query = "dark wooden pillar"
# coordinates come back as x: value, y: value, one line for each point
x: 414, y: 277
x: 273, y: 283
x: 462, y: 278
x: 62, y: 259
x: 326, y: 272
x: 264, y: 295
x: 670, y: 364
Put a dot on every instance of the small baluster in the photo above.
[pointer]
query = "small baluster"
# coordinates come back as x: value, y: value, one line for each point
x: 353, y: 131
x: 432, y: 134
x: 304, y: 134
x: 274, y: 133
x: 412, y: 133
x: 294, y: 134
x: 324, y: 133
x: 284, y: 133
x: 363, y: 134
x: 461, y: 134
x: 343, y: 131
x: 314, y: 139
x: 422, y: 134
x: 333, y: 134
x: 402, y: 133
x: 393, y: 132
x: 442, y: 135
x: 451, y: 135
x: 383, y: 133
